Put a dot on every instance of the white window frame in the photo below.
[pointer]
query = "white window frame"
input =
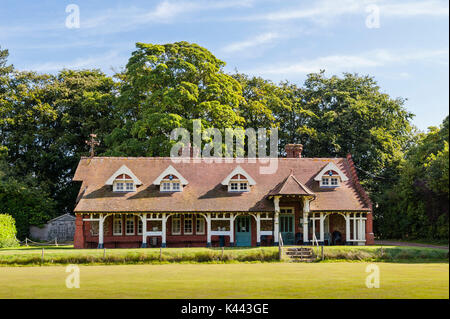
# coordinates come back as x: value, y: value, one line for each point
x: 174, y: 219
x: 199, y: 221
x: 124, y: 185
x: 130, y: 218
x: 171, y: 186
x: 117, y: 218
x: 329, y: 182
x: 191, y: 219
x: 236, y: 185
x: 243, y: 187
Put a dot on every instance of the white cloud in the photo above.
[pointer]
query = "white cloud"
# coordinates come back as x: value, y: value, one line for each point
x: 356, y: 63
x: 103, y: 62
x: 324, y: 11
x: 258, y: 40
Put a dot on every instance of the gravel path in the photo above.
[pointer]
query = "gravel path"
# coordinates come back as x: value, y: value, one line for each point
x: 402, y: 243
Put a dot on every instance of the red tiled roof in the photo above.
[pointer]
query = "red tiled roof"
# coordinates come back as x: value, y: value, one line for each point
x: 291, y: 186
x: 205, y: 191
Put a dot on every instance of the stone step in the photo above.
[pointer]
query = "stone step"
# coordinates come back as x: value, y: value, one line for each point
x: 294, y: 253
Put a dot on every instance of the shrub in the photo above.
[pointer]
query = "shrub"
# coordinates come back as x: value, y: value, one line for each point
x: 7, y: 231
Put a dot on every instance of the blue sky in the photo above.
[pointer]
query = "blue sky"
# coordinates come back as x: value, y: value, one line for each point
x: 405, y: 48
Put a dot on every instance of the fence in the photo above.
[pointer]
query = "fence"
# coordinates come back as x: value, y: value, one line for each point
x: 28, y: 242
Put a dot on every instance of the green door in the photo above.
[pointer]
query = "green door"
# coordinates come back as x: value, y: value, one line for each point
x: 286, y: 224
x: 243, y: 231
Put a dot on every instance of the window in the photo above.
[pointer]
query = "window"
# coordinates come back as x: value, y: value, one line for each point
x: 334, y: 181
x: 94, y: 228
x: 325, y: 182
x: 129, y: 225
x: 329, y: 182
x: 171, y: 185
x: 117, y: 225
x: 200, y: 226
x: 139, y: 228
x: 243, y: 187
x: 123, y: 183
x: 176, y: 225
x: 188, y: 225
x: 238, y: 183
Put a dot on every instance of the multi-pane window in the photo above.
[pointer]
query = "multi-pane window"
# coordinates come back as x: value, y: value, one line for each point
x: 238, y: 183
x: 117, y: 225
x: 329, y: 181
x: 171, y: 186
x: 129, y: 225
x: 176, y: 225
x: 139, y: 226
x: 200, y: 226
x: 188, y: 224
x: 123, y: 183
x: 243, y: 186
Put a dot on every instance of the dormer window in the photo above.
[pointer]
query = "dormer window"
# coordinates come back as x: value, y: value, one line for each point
x: 123, y: 183
x: 170, y: 183
x: 123, y: 180
x: 238, y: 181
x: 331, y: 176
x: 170, y: 180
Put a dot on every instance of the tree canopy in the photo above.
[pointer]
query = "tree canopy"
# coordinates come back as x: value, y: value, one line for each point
x: 46, y: 118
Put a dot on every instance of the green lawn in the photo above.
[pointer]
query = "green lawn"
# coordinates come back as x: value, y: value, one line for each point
x: 243, y: 280
x: 67, y: 255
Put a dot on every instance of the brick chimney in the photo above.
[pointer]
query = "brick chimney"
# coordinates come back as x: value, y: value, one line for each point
x: 294, y: 150
x: 192, y: 150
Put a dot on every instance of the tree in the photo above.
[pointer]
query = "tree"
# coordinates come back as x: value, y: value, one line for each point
x: 25, y: 201
x: 7, y: 231
x: 46, y: 122
x: 168, y: 86
x: 416, y: 205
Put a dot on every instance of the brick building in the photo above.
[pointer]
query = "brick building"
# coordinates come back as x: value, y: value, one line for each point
x: 143, y: 202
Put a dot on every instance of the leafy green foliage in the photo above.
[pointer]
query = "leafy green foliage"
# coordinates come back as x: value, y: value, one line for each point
x: 45, y: 120
x: 7, y: 231
x: 416, y: 205
x: 168, y: 86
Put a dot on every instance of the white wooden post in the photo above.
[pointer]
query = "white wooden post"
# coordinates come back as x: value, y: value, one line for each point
x: 276, y: 227
x: 163, y: 230
x: 314, y: 224
x: 347, y: 228
x: 305, y: 220
x: 363, y: 230
x: 258, y: 229
x: 231, y: 230
x: 144, y: 230
x: 354, y: 227
x: 208, y: 223
x: 100, y: 231
x: 322, y: 227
